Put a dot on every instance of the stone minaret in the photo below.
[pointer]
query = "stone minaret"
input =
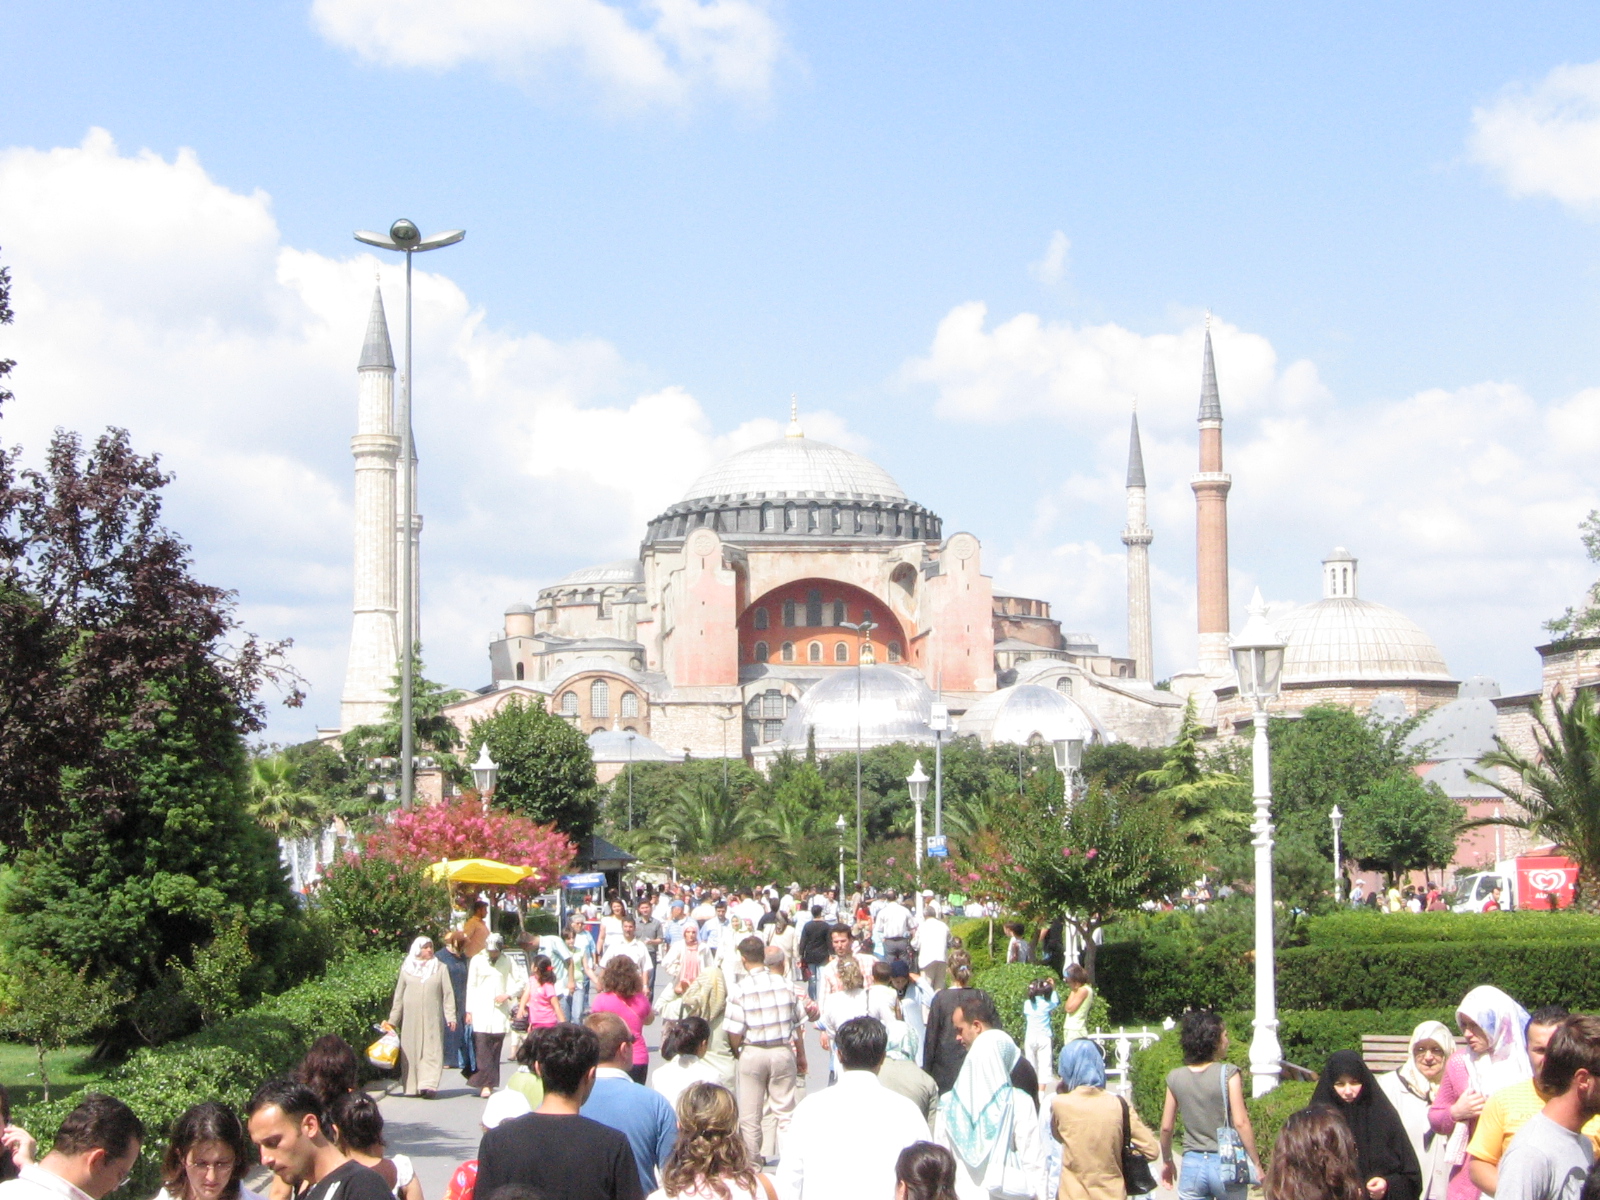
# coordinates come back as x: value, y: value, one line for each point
x: 374, y: 639
x: 1136, y: 537
x: 1211, y: 486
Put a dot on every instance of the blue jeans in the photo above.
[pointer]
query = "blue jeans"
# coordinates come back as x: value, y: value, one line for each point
x: 1200, y: 1178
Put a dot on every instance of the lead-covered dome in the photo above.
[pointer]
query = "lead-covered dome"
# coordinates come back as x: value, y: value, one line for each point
x: 1344, y: 638
x: 893, y: 706
x: 1030, y: 714
x: 796, y: 468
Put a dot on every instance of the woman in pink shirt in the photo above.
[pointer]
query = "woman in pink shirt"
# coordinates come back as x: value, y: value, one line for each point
x: 622, y: 992
x: 542, y: 1007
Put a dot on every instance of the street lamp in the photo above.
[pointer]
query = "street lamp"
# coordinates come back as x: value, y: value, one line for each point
x: 485, y: 773
x: 864, y: 658
x: 839, y: 825
x: 939, y: 722
x: 725, y: 718
x: 632, y: 737
x: 1336, y: 818
x: 407, y: 238
x: 1258, y: 661
x: 1069, y: 757
x: 917, y: 782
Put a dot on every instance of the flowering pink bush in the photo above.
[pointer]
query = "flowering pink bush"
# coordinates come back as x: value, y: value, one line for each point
x: 461, y: 829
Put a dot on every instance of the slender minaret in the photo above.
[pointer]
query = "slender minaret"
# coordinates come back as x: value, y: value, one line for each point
x: 1211, y: 486
x: 374, y: 640
x: 1137, y: 537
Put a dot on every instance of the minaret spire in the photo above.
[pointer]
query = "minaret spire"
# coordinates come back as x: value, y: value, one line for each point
x: 1137, y: 537
x: 1211, y: 485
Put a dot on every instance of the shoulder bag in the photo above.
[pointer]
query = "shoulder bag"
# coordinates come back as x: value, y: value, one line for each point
x: 1136, y: 1176
x: 1233, y: 1164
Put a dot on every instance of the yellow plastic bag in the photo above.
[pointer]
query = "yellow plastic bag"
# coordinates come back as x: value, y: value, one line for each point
x: 385, y: 1052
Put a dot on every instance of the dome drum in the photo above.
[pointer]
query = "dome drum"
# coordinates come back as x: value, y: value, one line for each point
x: 751, y: 519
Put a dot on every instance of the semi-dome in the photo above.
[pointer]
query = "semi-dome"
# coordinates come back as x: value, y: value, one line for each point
x: 621, y: 570
x: 894, y: 706
x: 1345, y: 638
x: 796, y: 468
x: 1028, y: 714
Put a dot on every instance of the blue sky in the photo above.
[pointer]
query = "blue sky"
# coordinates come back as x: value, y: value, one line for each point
x: 1388, y: 208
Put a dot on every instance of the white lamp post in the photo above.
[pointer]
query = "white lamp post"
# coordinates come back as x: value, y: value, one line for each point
x: 1337, y: 819
x: 404, y: 236
x: 485, y: 774
x: 864, y: 658
x: 1258, y: 661
x: 839, y: 825
x: 939, y: 722
x: 1069, y: 757
x: 917, y: 782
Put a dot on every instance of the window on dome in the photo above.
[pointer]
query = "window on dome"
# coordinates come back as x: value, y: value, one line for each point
x: 630, y: 704
x: 814, y: 652
x: 791, y: 517
x: 813, y: 607
x: 569, y: 704
x: 839, y: 614
x: 814, y: 519
x: 761, y: 652
x: 788, y: 614
x: 599, y: 698
x: 520, y: 670
x: 769, y: 518
x: 841, y: 652
x: 894, y: 651
x: 760, y: 619
x: 787, y: 652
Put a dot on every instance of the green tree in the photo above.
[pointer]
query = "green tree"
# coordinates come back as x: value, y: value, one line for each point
x: 1212, y: 807
x: 374, y: 903
x: 49, y: 1006
x: 1582, y: 621
x: 1402, y: 824
x: 1556, y: 790
x: 433, y: 732
x: 277, y: 801
x: 1120, y: 764
x: 656, y: 784
x: 701, y: 821
x: 217, y: 983
x: 546, y: 772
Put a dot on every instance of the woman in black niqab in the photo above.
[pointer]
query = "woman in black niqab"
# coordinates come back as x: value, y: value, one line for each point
x: 1388, y: 1163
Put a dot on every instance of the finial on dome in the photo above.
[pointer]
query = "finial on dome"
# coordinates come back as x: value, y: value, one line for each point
x: 794, y: 417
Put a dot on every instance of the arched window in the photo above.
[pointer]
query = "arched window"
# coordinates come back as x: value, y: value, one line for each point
x: 569, y: 704
x: 791, y: 519
x: 814, y: 652
x: 769, y: 519
x: 894, y: 651
x: 630, y: 704
x: 841, y: 652
x: 866, y: 615
x: 520, y: 670
x: 813, y: 607
x: 787, y: 652
x: 760, y: 620
x: 839, y: 614
x: 599, y: 698
x: 788, y: 614
x: 761, y: 652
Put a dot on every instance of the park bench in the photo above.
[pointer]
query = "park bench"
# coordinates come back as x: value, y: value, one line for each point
x: 1385, y: 1051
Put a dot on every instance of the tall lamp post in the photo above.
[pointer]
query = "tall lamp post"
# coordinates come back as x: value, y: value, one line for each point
x: 864, y: 658
x: 840, y: 826
x: 1069, y: 757
x: 939, y: 722
x: 404, y: 236
x: 485, y: 773
x: 632, y: 737
x: 1258, y: 660
x: 917, y: 782
x: 1336, y: 818
x: 725, y: 718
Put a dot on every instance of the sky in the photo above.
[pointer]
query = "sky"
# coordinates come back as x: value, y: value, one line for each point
x: 968, y: 238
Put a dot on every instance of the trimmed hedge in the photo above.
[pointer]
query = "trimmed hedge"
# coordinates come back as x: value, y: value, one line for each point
x: 1159, y: 977
x: 229, y: 1060
x: 974, y: 935
x: 1436, y: 974
x: 1374, y: 928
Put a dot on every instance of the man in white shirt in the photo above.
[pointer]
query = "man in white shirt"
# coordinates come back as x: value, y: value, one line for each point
x: 933, y: 945
x: 94, y: 1151
x: 628, y: 946
x: 892, y: 925
x: 825, y: 1156
x: 842, y: 948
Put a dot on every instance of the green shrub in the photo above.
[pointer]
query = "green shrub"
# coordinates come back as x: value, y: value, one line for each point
x: 1160, y: 977
x: 1008, y: 985
x: 1375, y: 928
x: 538, y: 922
x: 1436, y: 974
x: 1308, y: 1037
x: 227, y: 1060
x: 1268, y: 1114
x: 374, y: 903
x: 974, y: 935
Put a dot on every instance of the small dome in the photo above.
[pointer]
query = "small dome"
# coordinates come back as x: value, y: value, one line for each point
x: 1464, y: 728
x: 1353, y: 639
x: 1027, y: 713
x: 519, y: 608
x: 620, y: 746
x: 894, y: 706
x: 796, y: 466
x: 622, y: 570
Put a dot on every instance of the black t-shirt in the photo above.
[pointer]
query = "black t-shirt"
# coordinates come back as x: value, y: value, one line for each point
x: 560, y: 1157
x: 350, y: 1182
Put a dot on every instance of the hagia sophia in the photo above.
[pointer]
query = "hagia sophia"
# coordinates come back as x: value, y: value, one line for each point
x: 794, y: 573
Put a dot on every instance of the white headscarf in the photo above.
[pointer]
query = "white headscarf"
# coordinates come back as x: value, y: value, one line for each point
x: 1415, y: 1081
x: 977, y: 1111
x: 1506, y: 1024
x: 415, y: 965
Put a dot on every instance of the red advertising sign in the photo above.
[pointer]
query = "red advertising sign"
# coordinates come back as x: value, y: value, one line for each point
x: 1540, y: 878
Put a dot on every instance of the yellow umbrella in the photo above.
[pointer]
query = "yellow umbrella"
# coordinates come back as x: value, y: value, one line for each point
x: 478, y: 870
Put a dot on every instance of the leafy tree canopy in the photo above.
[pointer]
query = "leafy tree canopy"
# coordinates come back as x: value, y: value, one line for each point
x: 1583, y: 620
x: 546, y: 772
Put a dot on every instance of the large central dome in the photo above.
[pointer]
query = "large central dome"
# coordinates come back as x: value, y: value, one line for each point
x: 794, y: 468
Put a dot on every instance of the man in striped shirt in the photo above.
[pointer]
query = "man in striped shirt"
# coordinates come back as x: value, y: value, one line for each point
x: 763, y: 1021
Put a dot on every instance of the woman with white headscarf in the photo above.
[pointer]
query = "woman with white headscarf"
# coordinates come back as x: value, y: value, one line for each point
x: 424, y: 1005
x: 990, y: 1126
x: 1411, y: 1090
x: 1494, y: 1027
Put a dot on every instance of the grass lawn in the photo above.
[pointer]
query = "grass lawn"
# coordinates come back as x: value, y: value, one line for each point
x: 70, y: 1069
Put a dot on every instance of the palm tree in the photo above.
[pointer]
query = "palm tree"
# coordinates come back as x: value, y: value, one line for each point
x: 1557, y: 790
x: 703, y: 820
x: 278, y: 804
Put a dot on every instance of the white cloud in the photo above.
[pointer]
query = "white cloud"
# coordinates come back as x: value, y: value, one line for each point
x: 1545, y: 140
x: 1463, y: 505
x: 1052, y: 268
x: 638, y: 53
x: 150, y: 297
